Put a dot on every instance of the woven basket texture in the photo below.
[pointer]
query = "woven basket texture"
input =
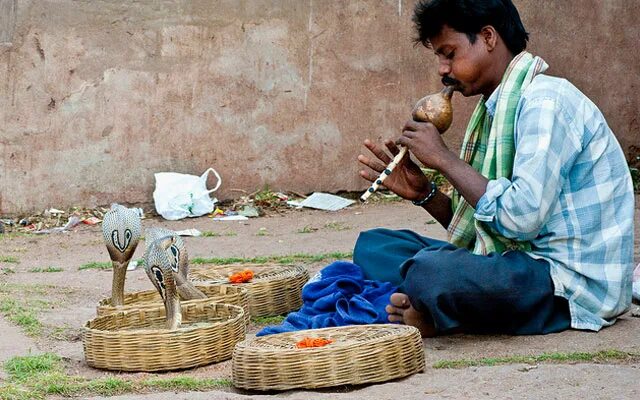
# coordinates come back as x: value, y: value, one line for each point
x: 137, y: 340
x: 274, y: 290
x: 359, y: 354
x: 227, y: 294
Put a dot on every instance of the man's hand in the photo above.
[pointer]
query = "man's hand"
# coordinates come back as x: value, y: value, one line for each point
x: 425, y: 143
x: 406, y: 180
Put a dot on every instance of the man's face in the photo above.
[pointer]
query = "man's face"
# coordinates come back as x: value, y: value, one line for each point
x: 461, y: 63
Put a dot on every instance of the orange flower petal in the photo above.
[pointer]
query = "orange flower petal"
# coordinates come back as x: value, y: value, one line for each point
x: 308, y: 342
x: 241, y: 277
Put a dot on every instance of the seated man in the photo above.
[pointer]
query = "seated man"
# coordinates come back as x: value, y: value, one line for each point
x: 540, y: 224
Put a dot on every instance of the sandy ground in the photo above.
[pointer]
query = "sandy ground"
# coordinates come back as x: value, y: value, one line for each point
x: 74, y: 295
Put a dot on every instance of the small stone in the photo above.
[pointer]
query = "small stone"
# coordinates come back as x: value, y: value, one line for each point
x: 635, y: 312
x: 527, y: 368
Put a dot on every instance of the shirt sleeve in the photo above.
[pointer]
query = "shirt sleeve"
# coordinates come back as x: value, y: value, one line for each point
x: 547, y: 145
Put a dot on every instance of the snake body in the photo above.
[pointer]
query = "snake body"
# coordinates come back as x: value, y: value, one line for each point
x: 159, y: 266
x: 121, y: 228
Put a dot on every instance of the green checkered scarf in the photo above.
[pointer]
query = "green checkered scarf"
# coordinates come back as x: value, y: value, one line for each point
x: 488, y: 147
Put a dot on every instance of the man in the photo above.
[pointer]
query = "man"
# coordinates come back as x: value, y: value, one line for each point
x: 540, y: 225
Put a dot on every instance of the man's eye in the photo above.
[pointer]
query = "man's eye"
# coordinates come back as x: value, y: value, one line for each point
x: 450, y: 55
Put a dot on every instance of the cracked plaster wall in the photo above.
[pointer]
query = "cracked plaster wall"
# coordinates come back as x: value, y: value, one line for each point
x: 97, y: 95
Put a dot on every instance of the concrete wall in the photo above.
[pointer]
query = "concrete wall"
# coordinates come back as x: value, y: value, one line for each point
x: 97, y: 95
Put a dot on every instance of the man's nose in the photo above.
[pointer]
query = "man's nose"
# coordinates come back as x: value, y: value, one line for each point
x: 444, y: 69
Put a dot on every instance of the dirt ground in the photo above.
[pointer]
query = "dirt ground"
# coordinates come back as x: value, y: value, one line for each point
x: 73, y: 294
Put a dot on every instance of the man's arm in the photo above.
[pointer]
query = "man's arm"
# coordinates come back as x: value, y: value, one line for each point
x: 467, y: 181
x: 547, y: 146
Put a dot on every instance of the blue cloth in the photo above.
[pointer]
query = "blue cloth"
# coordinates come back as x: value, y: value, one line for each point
x: 339, y: 295
x: 571, y: 195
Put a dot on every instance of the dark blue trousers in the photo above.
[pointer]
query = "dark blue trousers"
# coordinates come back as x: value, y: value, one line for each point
x: 460, y: 291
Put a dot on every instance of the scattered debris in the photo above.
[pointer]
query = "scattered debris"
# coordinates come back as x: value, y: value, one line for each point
x: 264, y: 201
x: 268, y: 199
x: 249, y: 211
x: 91, y: 221
x: 216, y: 212
x: 133, y: 264
x: 189, y: 232
x: 323, y: 201
x: 52, y: 211
x: 73, y: 221
x: 51, y: 218
x: 232, y: 218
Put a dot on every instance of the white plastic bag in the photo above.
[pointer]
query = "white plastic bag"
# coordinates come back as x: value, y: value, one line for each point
x: 180, y: 195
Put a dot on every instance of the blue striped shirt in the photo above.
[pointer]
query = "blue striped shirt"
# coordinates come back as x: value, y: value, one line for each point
x: 571, y: 196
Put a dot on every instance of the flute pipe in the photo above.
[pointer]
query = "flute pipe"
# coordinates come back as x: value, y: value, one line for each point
x: 387, y: 171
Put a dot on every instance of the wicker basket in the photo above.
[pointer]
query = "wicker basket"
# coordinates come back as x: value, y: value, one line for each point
x: 226, y: 294
x: 137, y: 340
x: 359, y: 354
x: 274, y: 290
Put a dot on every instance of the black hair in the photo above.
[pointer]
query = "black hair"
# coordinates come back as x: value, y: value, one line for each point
x: 469, y: 17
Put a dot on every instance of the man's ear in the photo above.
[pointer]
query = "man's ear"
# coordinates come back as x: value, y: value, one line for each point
x: 489, y: 37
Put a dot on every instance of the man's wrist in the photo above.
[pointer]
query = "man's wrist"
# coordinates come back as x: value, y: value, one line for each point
x: 429, y: 196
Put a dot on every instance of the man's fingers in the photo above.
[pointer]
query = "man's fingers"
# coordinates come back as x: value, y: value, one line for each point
x: 410, y: 134
x: 374, y: 165
x: 410, y: 125
x: 392, y: 147
x: 377, y: 151
x: 403, y: 141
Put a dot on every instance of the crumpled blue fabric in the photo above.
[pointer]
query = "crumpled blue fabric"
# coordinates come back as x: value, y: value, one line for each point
x: 339, y: 295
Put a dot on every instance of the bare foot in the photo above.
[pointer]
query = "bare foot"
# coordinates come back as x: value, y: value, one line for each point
x: 401, y: 310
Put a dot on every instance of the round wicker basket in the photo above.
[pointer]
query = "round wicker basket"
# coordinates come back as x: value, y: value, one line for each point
x: 226, y: 294
x: 136, y: 340
x: 359, y: 354
x: 275, y: 288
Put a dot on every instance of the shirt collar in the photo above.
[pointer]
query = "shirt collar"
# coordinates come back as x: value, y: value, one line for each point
x: 490, y: 104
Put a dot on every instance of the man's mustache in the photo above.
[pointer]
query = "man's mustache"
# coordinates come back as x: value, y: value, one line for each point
x: 450, y: 81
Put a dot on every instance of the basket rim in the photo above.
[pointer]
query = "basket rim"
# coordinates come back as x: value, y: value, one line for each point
x: 163, y: 332
x: 105, y: 302
x: 297, y: 269
x: 403, y: 330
